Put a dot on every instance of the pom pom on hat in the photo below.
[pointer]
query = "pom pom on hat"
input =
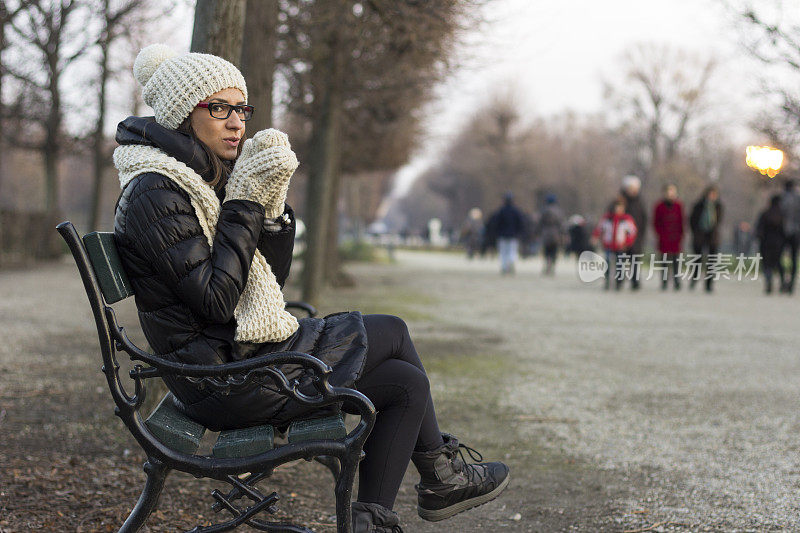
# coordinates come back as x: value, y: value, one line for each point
x: 174, y: 84
x: 149, y: 60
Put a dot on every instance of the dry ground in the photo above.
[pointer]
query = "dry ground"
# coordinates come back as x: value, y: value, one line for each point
x: 616, y: 412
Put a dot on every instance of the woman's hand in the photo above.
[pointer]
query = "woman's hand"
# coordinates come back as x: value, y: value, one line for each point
x: 263, y: 170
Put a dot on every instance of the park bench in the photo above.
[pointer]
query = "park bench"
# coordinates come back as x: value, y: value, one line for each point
x: 242, y: 457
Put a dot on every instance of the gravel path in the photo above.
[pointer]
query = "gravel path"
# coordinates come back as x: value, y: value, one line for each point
x: 695, y: 395
x: 616, y: 411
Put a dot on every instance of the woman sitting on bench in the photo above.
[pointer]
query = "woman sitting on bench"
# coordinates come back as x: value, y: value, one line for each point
x: 206, y: 240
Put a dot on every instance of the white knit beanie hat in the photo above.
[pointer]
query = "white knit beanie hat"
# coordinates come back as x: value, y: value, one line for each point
x: 174, y: 84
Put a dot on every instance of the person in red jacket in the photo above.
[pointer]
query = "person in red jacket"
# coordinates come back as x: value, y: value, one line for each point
x: 617, y: 233
x: 668, y: 223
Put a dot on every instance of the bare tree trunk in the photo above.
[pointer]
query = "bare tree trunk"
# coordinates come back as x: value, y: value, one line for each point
x: 218, y: 27
x: 334, y: 275
x: 258, y: 59
x: 2, y: 104
x: 332, y: 262
x: 99, y: 159
x: 52, y: 145
x: 3, y: 21
x: 324, y: 164
x: 51, y: 177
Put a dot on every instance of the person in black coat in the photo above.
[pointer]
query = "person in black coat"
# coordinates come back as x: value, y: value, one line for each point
x: 551, y: 229
x: 507, y: 225
x: 634, y: 206
x: 771, y: 237
x: 790, y: 208
x: 201, y: 221
x: 578, y: 236
x: 704, y: 222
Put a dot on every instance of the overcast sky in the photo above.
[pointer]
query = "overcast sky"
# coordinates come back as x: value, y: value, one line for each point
x: 554, y: 56
x: 557, y: 51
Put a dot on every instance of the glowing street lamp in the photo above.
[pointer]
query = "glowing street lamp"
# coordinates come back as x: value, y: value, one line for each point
x: 766, y: 160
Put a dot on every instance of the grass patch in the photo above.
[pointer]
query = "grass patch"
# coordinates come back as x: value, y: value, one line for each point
x: 485, y: 365
x: 363, y: 252
x: 408, y: 305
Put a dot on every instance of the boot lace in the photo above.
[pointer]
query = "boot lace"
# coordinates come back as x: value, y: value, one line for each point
x: 460, y: 463
x: 474, y: 454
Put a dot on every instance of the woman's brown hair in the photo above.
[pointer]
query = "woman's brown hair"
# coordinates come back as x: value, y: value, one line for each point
x: 220, y: 169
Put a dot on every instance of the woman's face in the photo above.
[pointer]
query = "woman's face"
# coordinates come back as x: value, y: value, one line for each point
x: 222, y: 136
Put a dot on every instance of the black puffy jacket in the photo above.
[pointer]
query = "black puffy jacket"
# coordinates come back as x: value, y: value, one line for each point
x: 700, y: 237
x: 634, y: 206
x: 186, y: 293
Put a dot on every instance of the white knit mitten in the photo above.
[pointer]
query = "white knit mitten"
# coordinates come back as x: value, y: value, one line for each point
x: 263, y: 171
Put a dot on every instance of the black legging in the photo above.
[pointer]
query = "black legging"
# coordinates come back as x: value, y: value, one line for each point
x: 791, y: 245
x: 671, y: 261
x: 704, y: 249
x: 396, y: 383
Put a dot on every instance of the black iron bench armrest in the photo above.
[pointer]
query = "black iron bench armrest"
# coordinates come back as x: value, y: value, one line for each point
x: 238, y: 374
x: 160, y: 366
x: 308, y: 308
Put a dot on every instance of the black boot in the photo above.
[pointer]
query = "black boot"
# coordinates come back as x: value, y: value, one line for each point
x: 450, y: 486
x: 374, y: 518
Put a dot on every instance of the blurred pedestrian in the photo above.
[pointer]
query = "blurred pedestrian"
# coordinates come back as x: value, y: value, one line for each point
x: 742, y: 238
x: 771, y: 239
x: 529, y: 240
x: 704, y: 222
x: 617, y: 233
x: 790, y: 209
x: 508, y: 224
x: 578, y: 236
x: 668, y: 224
x: 472, y: 232
x: 634, y: 206
x: 551, y: 229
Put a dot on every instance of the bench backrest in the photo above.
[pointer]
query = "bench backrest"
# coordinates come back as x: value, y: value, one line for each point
x: 105, y: 282
x: 107, y: 266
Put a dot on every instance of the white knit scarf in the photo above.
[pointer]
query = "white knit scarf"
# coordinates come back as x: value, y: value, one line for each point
x: 260, y: 314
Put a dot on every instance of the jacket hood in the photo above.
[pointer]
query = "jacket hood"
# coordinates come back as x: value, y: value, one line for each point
x: 146, y: 131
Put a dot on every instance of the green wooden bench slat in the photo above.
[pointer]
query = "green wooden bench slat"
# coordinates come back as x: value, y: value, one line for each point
x: 244, y: 442
x: 179, y: 432
x: 331, y: 427
x: 174, y: 429
x: 104, y: 257
x: 259, y: 439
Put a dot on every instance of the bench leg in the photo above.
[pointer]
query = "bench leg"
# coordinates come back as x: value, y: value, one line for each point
x: 344, y: 493
x: 156, y: 474
x: 331, y: 463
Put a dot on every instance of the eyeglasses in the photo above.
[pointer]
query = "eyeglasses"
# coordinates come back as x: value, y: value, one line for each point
x: 223, y: 111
